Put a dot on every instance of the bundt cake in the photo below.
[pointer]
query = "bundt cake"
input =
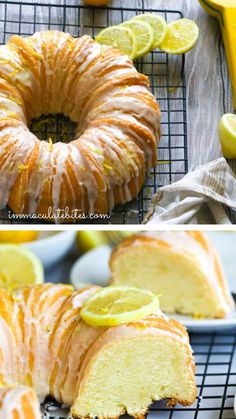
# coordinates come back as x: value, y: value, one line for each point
x: 183, y: 268
x: 117, y: 125
x: 101, y: 372
x: 19, y: 403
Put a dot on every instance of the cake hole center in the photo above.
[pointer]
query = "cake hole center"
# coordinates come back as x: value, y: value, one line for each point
x: 53, y: 128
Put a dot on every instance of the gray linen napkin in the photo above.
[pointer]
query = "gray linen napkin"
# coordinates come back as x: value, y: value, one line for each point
x: 200, y: 197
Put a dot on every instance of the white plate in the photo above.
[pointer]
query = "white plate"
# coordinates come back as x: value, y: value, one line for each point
x: 52, y: 247
x: 225, y: 243
x: 206, y: 325
x: 93, y: 268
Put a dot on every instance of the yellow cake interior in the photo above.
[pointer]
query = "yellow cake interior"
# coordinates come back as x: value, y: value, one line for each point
x: 129, y: 374
x: 183, y: 268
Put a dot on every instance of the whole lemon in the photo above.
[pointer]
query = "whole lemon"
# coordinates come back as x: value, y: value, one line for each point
x: 17, y: 236
x: 88, y: 240
x: 97, y: 2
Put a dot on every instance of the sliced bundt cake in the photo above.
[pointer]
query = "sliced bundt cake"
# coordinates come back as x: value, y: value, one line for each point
x: 130, y: 366
x: 102, y: 372
x: 182, y: 267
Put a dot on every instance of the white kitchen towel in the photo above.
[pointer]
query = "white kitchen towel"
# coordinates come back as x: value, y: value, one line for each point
x: 200, y: 197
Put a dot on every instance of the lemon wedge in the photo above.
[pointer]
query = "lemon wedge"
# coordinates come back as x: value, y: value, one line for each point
x: 144, y: 36
x: 19, y: 267
x: 120, y: 37
x: 112, y: 306
x: 181, y: 36
x: 227, y: 134
x: 158, y: 25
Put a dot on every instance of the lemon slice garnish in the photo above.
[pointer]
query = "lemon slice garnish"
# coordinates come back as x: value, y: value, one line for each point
x: 112, y: 306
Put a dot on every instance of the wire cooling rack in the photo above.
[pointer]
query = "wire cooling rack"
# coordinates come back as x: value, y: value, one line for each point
x: 216, y: 381
x: 166, y: 74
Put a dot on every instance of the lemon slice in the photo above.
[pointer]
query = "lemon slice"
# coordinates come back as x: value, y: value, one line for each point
x: 19, y: 267
x: 17, y: 236
x: 144, y: 36
x: 158, y: 25
x: 118, y: 37
x: 112, y: 306
x: 180, y: 37
x: 227, y: 134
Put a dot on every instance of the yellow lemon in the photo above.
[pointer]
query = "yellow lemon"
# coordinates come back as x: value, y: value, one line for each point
x: 181, y: 36
x: 227, y: 134
x: 17, y: 236
x: 144, y: 36
x: 97, y: 2
x: 112, y: 306
x: 88, y: 239
x: 118, y: 37
x: 158, y: 25
x: 19, y: 267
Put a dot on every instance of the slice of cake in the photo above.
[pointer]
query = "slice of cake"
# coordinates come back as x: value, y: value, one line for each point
x: 101, y: 371
x: 19, y: 403
x: 183, y: 268
x: 130, y: 366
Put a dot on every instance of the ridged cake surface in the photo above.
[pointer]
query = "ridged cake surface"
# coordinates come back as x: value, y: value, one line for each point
x: 19, y: 403
x: 117, y: 125
x: 47, y: 346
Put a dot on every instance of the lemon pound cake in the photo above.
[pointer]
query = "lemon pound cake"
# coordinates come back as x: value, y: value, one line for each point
x: 117, y: 125
x: 129, y: 367
x: 183, y: 268
x: 101, y: 372
x: 19, y: 403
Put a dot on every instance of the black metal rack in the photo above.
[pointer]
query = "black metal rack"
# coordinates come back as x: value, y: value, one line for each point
x: 216, y: 381
x: 166, y: 74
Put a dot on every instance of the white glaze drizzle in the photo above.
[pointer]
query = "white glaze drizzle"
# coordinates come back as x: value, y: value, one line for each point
x: 55, y: 335
x: 83, y: 61
x: 12, y: 402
